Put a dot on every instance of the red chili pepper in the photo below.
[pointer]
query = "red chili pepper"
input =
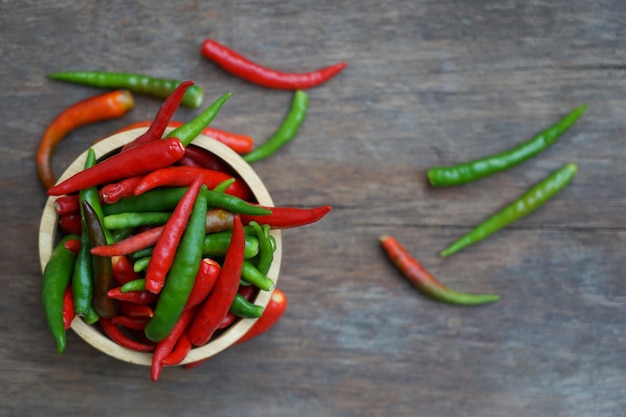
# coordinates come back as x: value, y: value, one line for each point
x: 424, y: 281
x: 165, y: 346
x: 131, y: 244
x: 123, y: 271
x: 204, y: 283
x: 132, y: 323
x: 122, y: 339
x: 239, y: 143
x: 165, y: 247
x: 180, y: 351
x: 177, y: 176
x: 94, y: 109
x: 68, y: 308
x: 217, y: 304
x: 286, y: 217
x: 156, y: 129
x: 67, y: 204
x: 139, y: 160
x: 272, y: 313
x: 73, y: 245
x: 242, y: 67
x: 111, y: 193
x: 136, y: 310
x: 70, y: 223
x: 136, y: 297
x: 205, y: 159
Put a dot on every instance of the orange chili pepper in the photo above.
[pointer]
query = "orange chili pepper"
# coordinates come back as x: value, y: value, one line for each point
x: 106, y: 106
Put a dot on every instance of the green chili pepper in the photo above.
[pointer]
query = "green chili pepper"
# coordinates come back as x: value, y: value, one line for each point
x: 287, y: 130
x: 522, y: 206
x: 190, y: 130
x: 266, y: 252
x: 182, y: 274
x: 474, y: 170
x: 139, y: 83
x: 134, y: 285
x: 251, y: 274
x: 91, y: 196
x: 216, y: 244
x: 146, y: 218
x: 223, y: 186
x: 245, y: 309
x: 141, y: 264
x: 56, y: 277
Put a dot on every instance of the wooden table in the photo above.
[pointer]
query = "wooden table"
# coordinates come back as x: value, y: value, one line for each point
x: 429, y: 82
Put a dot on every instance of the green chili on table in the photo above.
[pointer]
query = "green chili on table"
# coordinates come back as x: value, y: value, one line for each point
x: 56, y: 278
x: 473, y: 170
x: 138, y: 83
x: 287, y: 130
x: 424, y: 281
x: 522, y: 206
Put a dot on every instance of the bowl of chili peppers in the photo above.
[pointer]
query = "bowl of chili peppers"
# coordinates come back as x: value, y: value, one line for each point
x: 161, y: 253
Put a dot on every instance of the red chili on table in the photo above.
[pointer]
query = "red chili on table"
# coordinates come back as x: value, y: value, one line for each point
x: 243, y: 67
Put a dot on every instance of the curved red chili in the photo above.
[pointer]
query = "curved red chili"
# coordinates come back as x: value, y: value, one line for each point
x: 242, y: 67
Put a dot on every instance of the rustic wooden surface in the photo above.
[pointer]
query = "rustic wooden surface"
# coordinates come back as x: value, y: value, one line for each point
x: 429, y: 82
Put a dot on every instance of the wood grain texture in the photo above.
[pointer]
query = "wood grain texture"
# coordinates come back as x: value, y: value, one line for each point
x: 428, y: 83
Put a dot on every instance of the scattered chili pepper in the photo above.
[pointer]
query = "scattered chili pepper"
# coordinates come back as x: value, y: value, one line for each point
x: 102, y: 267
x: 424, y: 281
x: 480, y: 168
x: 94, y: 109
x: 242, y: 67
x: 56, y: 277
x: 185, y: 266
x: 287, y: 130
x: 190, y: 130
x: 180, y: 351
x: 180, y: 176
x: 235, y: 141
x: 272, y: 313
x: 167, y: 244
x: 122, y: 339
x: 530, y: 201
x: 156, y: 129
x: 70, y: 223
x: 165, y: 346
x: 139, y: 160
x: 216, y: 306
x: 66, y: 204
x: 111, y: 193
x: 138, y: 83
x: 69, y: 313
x: 132, y: 323
x: 287, y: 217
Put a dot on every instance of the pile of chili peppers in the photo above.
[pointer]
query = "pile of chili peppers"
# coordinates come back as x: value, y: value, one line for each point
x: 163, y: 246
x: 471, y: 171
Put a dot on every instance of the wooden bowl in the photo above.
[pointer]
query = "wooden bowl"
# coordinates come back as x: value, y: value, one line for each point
x: 49, y: 231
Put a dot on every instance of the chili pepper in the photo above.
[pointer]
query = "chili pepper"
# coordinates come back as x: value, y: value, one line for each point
x: 190, y: 130
x: 205, y: 159
x: 177, y: 176
x: 204, y: 283
x: 266, y: 252
x: 136, y: 297
x: 287, y: 217
x: 138, y: 83
x: 184, y: 269
x: 91, y: 317
x: 424, y: 281
x: 166, y: 345
x: 90, y: 195
x: 56, y: 277
x: 224, y: 185
x: 272, y: 313
x: 530, y: 201
x: 69, y: 313
x: 216, y: 244
x: 246, y: 291
x: 216, y: 306
x: 235, y: 141
x: 156, y: 129
x: 111, y: 193
x: 136, y: 310
x: 166, y: 246
x: 287, y: 130
x: 180, y: 351
x: 480, y: 168
x: 141, y: 264
x: 245, y: 309
x: 70, y: 223
x: 121, y: 339
x: 252, y: 275
x: 242, y: 67
x: 82, y: 279
x: 66, y: 204
x: 73, y: 245
x: 139, y: 160
x: 125, y: 220
x: 132, y: 323
x: 102, y: 267
x: 131, y: 244
x: 123, y: 269
x: 94, y: 109
x: 134, y: 285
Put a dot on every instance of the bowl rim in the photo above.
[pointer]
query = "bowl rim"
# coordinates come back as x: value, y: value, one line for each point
x: 48, y: 231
